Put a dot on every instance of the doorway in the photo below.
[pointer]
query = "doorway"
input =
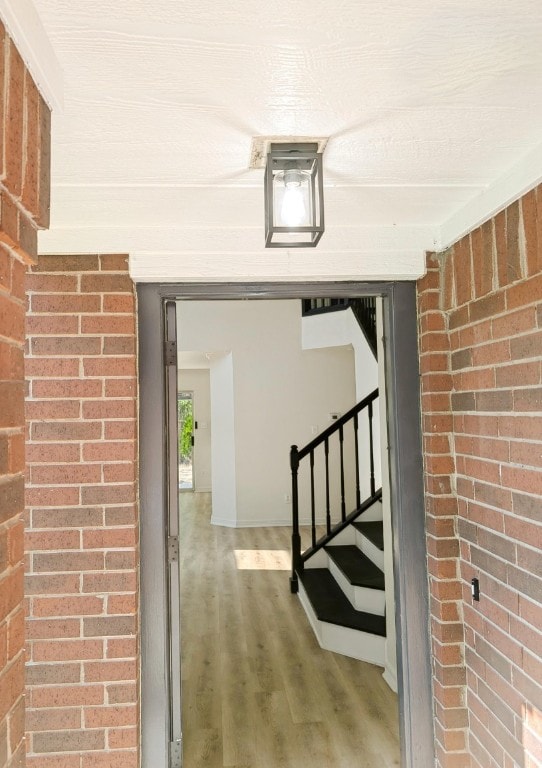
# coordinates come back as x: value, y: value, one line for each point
x: 414, y: 680
x: 293, y: 371
x: 186, y: 423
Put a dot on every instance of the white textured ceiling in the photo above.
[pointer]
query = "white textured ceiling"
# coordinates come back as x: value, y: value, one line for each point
x: 427, y: 105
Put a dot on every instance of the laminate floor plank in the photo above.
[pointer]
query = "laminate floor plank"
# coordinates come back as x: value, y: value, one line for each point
x: 265, y: 671
x: 203, y: 747
x: 273, y: 733
x: 312, y: 746
x: 299, y: 674
x: 201, y: 691
x: 258, y: 691
x: 239, y: 717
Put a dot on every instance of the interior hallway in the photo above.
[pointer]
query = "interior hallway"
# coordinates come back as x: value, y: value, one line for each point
x: 258, y: 691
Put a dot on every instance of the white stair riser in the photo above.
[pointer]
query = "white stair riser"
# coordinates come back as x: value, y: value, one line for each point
x: 345, y: 537
x: 361, y: 598
x: 372, y: 514
x: 318, y: 560
x: 368, y: 548
x: 349, y: 642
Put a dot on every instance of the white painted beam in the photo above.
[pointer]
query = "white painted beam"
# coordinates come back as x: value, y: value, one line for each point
x: 277, y: 264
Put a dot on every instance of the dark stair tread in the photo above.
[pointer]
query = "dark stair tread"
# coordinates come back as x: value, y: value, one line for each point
x: 357, y: 567
x: 331, y: 605
x: 374, y: 530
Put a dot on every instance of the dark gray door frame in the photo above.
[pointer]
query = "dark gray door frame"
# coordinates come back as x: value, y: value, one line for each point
x: 407, y: 502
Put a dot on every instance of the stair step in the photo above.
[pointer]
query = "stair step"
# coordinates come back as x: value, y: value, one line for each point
x: 357, y: 567
x: 331, y: 605
x: 374, y: 530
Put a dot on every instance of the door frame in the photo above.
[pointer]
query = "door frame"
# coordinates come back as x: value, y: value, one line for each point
x: 407, y: 501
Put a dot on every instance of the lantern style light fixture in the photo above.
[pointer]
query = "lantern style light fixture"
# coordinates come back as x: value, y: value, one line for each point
x: 294, y: 196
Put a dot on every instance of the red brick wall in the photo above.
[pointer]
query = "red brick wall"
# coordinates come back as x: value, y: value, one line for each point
x: 82, y: 548
x: 24, y: 206
x: 481, y: 361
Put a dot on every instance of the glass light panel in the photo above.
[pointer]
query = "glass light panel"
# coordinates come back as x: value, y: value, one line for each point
x: 292, y: 204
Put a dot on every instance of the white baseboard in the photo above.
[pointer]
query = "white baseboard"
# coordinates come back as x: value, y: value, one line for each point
x: 222, y: 522
x: 250, y: 523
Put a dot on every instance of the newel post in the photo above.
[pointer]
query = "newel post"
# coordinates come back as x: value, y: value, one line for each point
x: 296, y: 539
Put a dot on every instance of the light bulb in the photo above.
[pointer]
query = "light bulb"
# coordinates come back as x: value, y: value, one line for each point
x: 293, y: 206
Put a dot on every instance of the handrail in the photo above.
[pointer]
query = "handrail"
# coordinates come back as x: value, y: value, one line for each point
x: 297, y: 455
x: 327, y: 537
x: 341, y: 421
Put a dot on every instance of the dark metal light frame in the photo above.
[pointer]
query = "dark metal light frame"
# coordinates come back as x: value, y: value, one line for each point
x: 306, y: 158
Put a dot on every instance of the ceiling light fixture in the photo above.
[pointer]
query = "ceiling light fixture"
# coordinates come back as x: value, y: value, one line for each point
x: 294, y: 195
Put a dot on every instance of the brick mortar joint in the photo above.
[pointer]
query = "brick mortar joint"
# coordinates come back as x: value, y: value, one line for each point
x: 19, y: 303
x: 4, y: 479
x: 10, y: 663
x: 501, y: 290
x: 102, y: 271
x: 17, y: 202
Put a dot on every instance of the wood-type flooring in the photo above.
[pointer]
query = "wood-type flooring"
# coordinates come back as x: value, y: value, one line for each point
x: 258, y: 691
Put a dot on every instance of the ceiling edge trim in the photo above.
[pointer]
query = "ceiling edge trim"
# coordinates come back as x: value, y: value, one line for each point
x: 512, y: 185
x: 392, y: 265
x: 28, y: 33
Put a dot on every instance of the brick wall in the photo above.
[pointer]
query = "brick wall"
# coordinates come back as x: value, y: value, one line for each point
x: 24, y: 207
x: 82, y: 549
x: 481, y: 361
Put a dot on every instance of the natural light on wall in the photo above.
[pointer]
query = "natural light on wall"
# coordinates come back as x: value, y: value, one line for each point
x: 262, y: 559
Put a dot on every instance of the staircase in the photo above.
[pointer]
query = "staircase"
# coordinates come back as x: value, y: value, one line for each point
x: 363, y: 308
x: 340, y: 577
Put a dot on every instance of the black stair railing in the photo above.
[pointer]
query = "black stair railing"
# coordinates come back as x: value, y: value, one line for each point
x: 322, y: 505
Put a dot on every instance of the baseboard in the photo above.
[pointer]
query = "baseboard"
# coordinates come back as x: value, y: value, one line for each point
x: 224, y: 522
x: 252, y: 523
x: 248, y: 523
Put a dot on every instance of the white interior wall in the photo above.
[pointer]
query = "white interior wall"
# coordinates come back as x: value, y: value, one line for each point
x: 280, y: 395
x: 339, y: 328
x: 223, y: 469
x: 198, y: 382
x: 329, y: 329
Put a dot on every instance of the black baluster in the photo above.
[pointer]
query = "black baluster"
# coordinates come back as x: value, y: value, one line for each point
x: 371, y: 448
x: 297, y: 564
x: 356, y: 448
x: 328, y: 510
x: 313, y: 507
x: 343, y: 500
